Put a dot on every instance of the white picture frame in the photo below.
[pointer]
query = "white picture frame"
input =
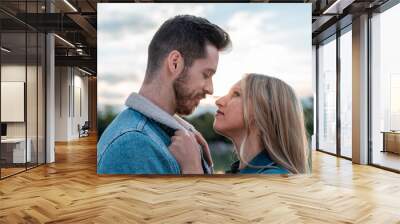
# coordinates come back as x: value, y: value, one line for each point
x: 12, y: 101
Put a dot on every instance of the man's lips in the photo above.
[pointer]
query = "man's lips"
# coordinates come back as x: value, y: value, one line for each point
x: 219, y: 112
x: 199, y: 98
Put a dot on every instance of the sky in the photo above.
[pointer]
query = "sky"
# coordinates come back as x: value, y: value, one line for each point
x: 272, y: 39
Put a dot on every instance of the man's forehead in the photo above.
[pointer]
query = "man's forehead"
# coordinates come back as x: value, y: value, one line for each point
x: 211, y: 58
x: 207, y: 64
x: 211, y: 52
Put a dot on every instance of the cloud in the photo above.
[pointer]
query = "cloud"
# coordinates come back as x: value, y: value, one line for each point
x: 118, y: 24
x: 269, y: 40
x: 265, y: 48
x: 114, y: 94
x: 115, y: 18
x: 117, y: 78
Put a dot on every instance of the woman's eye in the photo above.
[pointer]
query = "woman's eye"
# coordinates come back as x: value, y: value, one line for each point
x: 236, y: 93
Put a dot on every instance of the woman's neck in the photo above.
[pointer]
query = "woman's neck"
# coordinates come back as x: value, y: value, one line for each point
x: 251, y: 148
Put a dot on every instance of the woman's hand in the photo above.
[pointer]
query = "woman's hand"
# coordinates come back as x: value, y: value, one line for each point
x: 207, y: 154
x: 186, y: 151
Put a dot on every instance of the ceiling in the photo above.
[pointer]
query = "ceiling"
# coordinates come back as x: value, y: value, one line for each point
x: 75, y: 21
x: 329, y: 16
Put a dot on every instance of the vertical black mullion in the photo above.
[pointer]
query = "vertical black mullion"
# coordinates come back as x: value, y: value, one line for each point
x: 69, y: 93
x: 59, y: 82
x: 45, y: 89
x: 37, y: 89
x: 0, y: 94
x: 73, y: 92
x: 317, y: 96
x: 369, y: 88
x: 338, y: 98
x: 26, y: 86
x: 45, y: 95
x: 318, y: 5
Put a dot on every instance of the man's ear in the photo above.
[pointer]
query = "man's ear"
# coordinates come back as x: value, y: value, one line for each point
x: 175, y: 63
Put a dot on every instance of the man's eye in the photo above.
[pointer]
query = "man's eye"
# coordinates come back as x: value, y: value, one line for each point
x: 205, y: 75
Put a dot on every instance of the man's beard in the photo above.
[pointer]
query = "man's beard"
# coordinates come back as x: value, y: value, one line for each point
x: 186, y: 101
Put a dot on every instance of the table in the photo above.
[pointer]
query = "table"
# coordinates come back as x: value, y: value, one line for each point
x: 391, y: 141
x: 16, y: 147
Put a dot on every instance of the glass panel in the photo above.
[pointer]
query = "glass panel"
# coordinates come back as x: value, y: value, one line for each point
x: 346, y: 94
x: 386, y: 89
x: 13, y: 87
x: 31, y: 100
x: 22, y: 88
x: 327, y: 96
x: 41, y: 98
x: 32, y: 87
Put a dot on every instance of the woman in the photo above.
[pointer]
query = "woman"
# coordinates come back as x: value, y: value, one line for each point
x: 263, y: 118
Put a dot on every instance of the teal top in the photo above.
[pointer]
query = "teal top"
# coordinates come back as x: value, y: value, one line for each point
x: 262, y: 159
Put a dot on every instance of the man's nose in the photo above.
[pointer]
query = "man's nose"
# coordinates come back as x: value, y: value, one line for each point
x: 209, y: 89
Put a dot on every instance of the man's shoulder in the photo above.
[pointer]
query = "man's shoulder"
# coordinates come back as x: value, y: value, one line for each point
x: 135, y: 152
x: 130, y: 118
x: 126, y: 121
x: 133, y: 141
x: 132, y: 135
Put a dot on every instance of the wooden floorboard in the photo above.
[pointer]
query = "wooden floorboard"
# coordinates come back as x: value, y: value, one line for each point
x: 70, y: 191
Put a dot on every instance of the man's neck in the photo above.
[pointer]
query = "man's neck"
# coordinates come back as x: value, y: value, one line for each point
x: 159, y: 96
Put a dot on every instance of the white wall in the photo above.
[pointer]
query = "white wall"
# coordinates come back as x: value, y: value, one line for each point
x: 62, y: 81
x: 80, y: 89
x: 70, y: 83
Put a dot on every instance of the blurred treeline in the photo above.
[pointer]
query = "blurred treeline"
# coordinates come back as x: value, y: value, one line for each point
x: 221, y: 148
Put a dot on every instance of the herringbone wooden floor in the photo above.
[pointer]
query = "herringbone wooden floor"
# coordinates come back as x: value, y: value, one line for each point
x: 70, y: 191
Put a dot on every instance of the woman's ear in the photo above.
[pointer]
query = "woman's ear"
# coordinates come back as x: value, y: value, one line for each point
x: 252, y: 123
x: 175, y: 63
x: 250, y: 111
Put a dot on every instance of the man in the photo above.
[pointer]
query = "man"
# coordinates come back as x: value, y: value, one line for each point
x: 182, y: 58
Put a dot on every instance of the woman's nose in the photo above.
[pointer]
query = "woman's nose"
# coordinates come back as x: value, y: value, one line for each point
x: 219, y: 102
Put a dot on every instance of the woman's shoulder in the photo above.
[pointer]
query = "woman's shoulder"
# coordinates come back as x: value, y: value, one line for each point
x: 277, y: 170
x: 263, y: 164
x: 271, y: 169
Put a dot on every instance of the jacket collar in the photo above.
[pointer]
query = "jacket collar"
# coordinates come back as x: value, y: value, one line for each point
x: 154, y: 112
x: 150, y: 110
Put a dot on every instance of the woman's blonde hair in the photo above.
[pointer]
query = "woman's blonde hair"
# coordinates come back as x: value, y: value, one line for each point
x: 278, y: 116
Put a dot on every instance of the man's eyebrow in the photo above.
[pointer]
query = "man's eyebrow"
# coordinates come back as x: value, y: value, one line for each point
x: 210, y: 70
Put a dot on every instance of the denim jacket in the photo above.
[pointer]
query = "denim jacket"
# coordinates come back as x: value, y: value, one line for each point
x: 261, y: 164
x: 137, y: 140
